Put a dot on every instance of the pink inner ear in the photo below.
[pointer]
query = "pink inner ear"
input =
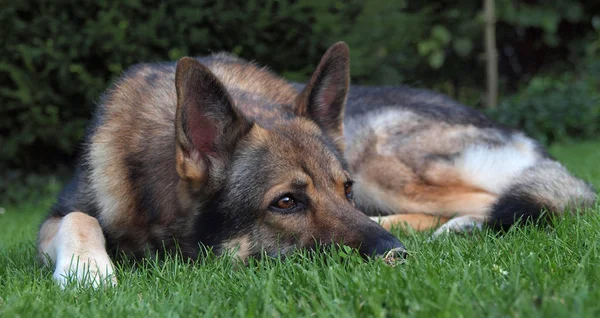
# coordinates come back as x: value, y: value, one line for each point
x: 202, y: 130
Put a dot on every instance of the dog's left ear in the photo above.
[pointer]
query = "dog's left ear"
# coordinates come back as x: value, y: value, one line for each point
x: 324, y: 97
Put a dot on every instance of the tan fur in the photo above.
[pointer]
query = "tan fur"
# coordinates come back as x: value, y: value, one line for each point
x: 403, y: 191
x: 46, y: 235
x: 240, y: 247
x: 418, y: 222
x: 402, y: 178
x: 326, y: 223
x: 107, y: 157
x: 250, y: 78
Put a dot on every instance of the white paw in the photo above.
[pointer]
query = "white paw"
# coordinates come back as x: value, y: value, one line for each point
x: 465, y: 224
x: 85, y: 272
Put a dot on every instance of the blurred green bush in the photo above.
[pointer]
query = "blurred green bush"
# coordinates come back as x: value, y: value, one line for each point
x: 555, y: 108
x: 56, y: 57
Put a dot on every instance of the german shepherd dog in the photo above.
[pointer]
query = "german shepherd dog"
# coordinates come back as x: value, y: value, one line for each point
x: 216, y: 152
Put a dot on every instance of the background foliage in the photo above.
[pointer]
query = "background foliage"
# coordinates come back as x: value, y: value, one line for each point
x: 555, y: 108
x: 56, y: 57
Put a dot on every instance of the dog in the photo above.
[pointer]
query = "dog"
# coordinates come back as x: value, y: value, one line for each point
x: 211, y: 152
x: 214, y: 151
x: 421, y: 159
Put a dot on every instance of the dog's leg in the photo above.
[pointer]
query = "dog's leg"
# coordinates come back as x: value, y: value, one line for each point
x: 466, y: 224
x: 76, y: 246
x: 418, y: 221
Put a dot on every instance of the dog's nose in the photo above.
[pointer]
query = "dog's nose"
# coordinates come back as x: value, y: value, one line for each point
x: 381, y: 243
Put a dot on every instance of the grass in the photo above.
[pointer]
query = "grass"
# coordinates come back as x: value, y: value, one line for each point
x: 530, y: 271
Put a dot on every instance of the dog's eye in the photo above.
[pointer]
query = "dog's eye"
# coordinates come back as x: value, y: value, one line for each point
x: 286, y: 202
x: 348, y: 190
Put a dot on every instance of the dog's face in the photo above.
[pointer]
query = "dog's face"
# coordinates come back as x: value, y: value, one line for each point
x: 272, y: 190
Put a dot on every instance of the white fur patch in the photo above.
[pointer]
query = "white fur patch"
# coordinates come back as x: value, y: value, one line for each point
x: 494, y: 168
x: 381, y: 121
x: 465, y: 224
x: 91, y: 271
x: 81, y: 259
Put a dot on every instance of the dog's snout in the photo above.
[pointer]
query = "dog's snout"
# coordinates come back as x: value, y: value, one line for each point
x: 382, y: 242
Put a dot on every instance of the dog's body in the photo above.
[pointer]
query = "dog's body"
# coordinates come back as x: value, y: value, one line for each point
x: 415, y: 153
x: 227, y: 155
x: 215, y: 152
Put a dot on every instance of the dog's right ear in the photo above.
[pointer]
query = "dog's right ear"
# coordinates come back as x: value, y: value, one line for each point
x: 324, y: 97
x: 207, y: 124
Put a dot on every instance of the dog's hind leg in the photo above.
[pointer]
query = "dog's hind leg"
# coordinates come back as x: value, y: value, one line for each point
x: 75, y: 245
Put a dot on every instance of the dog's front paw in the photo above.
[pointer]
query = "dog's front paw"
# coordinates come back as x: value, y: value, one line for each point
x: 85, y: 272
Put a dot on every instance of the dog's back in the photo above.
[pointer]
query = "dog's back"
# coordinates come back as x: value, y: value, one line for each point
x: 416, y: 152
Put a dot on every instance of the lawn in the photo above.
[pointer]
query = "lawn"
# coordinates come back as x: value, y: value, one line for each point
x: 530, y: 271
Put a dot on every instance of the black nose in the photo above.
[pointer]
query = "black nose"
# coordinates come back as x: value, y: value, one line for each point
x: 380, y: 242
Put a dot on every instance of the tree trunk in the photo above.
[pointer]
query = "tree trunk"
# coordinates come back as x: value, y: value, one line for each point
x: 491, y: 56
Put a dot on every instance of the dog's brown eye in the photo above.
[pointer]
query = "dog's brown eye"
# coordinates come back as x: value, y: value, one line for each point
x: 285, y: 203
x: 348, y: 190
x: 289, y: 203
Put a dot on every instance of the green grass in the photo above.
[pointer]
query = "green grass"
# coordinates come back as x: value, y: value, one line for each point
x: 530, y: 271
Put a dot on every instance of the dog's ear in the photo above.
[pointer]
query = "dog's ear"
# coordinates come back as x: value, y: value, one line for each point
x: 324, y: 97
x: 207, y: 124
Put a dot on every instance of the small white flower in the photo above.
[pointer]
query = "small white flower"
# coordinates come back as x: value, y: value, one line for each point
x: 499, y: 270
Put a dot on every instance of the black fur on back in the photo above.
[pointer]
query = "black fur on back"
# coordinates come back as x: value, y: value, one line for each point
x: 424, y: 102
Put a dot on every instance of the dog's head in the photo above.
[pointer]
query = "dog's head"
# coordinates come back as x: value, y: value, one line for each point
x: 271, y: 190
